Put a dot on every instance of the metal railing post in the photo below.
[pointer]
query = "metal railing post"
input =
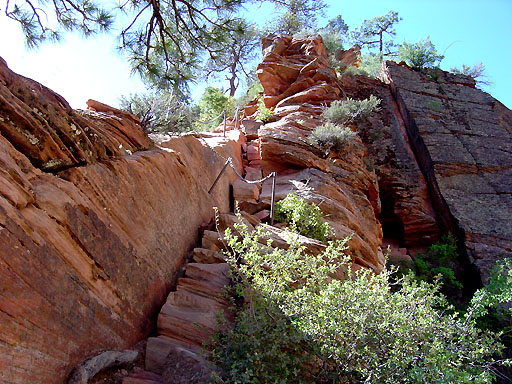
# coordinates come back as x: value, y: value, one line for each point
x: 220, y: 174
x: 224, y: 122
x: 236, y: 117
x: 274, y: 176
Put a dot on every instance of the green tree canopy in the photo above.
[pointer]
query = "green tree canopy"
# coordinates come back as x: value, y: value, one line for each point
x: 167, y: 41
x: 420, y: 55
x: 378, y: 32
x: 334, y: 34
x: 212, y: 103
x: 299, y: 16
x: 235, y: 53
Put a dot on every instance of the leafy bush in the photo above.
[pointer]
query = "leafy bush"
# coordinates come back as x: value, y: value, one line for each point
x: 350, y: 111
x: 330, y: 136
x: 419, y: 55
x: 264, y: 113
x: 303, y: 217
x: 158, y: 112
x: 298, y: 325
x: 212, y: 103
x: 439, y: 259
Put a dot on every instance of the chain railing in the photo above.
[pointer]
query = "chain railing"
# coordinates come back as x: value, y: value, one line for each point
x: 229, y: 161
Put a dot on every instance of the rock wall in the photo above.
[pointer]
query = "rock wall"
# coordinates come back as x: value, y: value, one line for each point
x: 462, y: 139
x: 407, y: 213
x: 297, y: 83
x: 89, y: 252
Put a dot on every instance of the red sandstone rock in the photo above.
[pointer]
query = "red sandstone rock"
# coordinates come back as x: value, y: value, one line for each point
x: 263, y: 215
x: 243, y: 191
x: 348, y: 58
x: 253, y: 174
x: 207, y: 256
x: 403, y: 190
x: 253, y: 153
x: 87, y: 256
x: 100, y: 107
x: 42, y: 125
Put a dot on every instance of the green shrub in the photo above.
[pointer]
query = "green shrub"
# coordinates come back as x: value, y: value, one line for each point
x: 264, y: 113
x: 330, y: 136
x: 342, y: 112
x: 477, y: 72
x: 439, y: 259
x: 296, y: 325
x: 419, y: 55
x: 304, y: 217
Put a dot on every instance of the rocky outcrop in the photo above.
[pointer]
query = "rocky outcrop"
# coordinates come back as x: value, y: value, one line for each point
x: 406, y: 213
x: 40, y: 124
x: 89, y: 252
x: 462, y: 138
x: 298, y: 82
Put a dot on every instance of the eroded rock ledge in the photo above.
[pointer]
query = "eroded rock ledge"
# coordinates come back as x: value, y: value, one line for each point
x: 89, y: 251
x: 298, y: 82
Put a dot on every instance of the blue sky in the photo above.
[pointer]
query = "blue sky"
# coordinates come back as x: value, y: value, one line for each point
x: 472, y: 31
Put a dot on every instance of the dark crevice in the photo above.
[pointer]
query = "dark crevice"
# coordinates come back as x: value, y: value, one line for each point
x: 392, y: 227
x: 446, y: 221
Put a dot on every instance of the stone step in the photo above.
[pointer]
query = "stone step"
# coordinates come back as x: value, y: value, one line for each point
x: 139, y: 376
x: 207, y: 256
x: 159, y: 348
x: 202, y: 288
x: 189, y: 300
x: 189, y: 325
x: 212, y: 240
x: 215, y: 274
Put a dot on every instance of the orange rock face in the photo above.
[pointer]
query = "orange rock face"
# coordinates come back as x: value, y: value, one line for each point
x: 41, y: 125
x: 89, y: 253
x: 298, y: 80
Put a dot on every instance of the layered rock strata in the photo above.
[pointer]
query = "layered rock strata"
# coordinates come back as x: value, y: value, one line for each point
x: 89, y: 252
x: 298, y: 83
x: 407, y: 213
x: 462, y: 138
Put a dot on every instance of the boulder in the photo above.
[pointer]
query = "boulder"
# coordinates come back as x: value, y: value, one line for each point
x: 243, y: 191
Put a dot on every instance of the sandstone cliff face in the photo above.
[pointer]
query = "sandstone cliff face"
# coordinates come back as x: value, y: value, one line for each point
x: 407, y: 213
x: 89, y: 252
x: 298, y: 82
x: 95, y: 221
x: 462, y: 138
